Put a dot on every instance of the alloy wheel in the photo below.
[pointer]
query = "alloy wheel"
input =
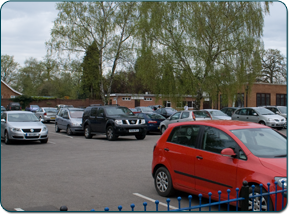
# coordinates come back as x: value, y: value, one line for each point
x: 162, y: 181
x: 257, y: 203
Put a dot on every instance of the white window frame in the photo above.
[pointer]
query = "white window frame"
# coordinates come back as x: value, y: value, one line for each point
x: 126, y: 98
x: 148, y: 99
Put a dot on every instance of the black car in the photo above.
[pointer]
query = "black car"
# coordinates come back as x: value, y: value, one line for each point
x: 166, y: 112
x: 113, y: 121
x: 13, y: 106
x: 229, y: 110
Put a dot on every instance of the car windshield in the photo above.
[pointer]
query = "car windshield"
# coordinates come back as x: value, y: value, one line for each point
x: 201, y: 114
x: 146, y: 109
x: 283, y: 109
x: 76, y: 114
x: 217, y: 113
x: 50, y: 110
x: 20, y: 117
x: 264, y: 111
x: 171, y: 110
x: 263, y: 142
x: 155, y: 116
x: 118, y: 111
x: 34, y: 106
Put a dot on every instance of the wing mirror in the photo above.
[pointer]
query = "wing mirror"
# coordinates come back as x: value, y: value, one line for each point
x: 41, y: 120
x: 277, y: 112
x: 3, y: 120
x: 228, y: 152
x: 255, y: 114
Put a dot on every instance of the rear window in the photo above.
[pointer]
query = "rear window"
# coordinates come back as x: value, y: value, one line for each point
x: 202, y: 114
x: 156, y: 116
x: 50, y: 110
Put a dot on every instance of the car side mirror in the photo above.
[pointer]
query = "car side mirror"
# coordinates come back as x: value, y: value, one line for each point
x: 228, y: 152
x: 255, y: 114
x: 41, y: 120
x: 3, y: 120
x: 277, y: 112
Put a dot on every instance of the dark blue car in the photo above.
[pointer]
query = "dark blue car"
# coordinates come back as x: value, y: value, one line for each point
x: 153, y: 121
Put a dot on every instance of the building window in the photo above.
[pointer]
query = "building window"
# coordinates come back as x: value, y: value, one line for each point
x: 12, y: 96
x: 239, y: 100
x: 281, y: 99
x: 126, y: 98
x: 167, y: 103
x: 221, y: 102
x: 148, y: 99
x: 263, y: 99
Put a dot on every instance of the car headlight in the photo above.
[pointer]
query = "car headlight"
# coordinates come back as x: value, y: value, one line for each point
x: 143, y: 121
x: 269, y: 119
x: 119, y: 122
x: 16, y: 130
x: 44, y: 129
x: 279, y: 181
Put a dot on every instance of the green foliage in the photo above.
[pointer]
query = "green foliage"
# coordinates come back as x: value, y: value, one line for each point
x: 9, y: 69
x: 24, y: 100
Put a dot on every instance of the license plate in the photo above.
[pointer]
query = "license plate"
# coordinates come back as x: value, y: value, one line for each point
x: 133, y: 130
x: 52, y: 118
x: 32, y: 134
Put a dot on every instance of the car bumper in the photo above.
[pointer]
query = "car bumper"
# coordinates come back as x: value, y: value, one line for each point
x: 276, y: 124
x: 77, y: 129
x: 49, y: 118
x: 153, y: 127
x: 130, y: 130
x: 28, y: 136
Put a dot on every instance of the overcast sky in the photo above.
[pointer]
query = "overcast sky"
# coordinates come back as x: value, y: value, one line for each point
x: 25, y: 27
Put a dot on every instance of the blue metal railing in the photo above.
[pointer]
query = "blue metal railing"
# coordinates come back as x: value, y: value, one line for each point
x: 243, y: 199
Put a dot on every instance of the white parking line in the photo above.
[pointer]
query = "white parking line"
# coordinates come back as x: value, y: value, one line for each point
x: 60, y: 134
x: 152, y: 200
x: 18, y: 209
x: 51, y: 142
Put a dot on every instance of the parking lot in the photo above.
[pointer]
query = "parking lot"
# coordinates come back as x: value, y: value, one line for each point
x: 82, y: 174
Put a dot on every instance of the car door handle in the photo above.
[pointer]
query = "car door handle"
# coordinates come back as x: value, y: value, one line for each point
x: 199, y: 157
x: 247, y: 117
x: 166, y: 149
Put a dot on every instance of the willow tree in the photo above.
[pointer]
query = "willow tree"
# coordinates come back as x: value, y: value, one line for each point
x: 214, y: 46
x: 109, y: 24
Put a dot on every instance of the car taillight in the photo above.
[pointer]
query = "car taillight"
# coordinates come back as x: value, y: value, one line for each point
x: 20, y: 108
x: 152, y: 121
x: 45, y: 113
x: 193, y: 116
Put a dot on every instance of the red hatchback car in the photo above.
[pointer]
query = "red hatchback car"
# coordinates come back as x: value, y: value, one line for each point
x: 208, y: 156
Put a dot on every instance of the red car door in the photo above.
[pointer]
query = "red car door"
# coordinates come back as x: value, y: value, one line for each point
x: 180, y: 150
x: 214, y: 171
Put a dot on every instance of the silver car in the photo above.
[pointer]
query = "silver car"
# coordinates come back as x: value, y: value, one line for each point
x: 184, y: 116
x: 22, y: 126
x: 217, y: 114
x: 46, y: 113
x: 281, y: 110
x: 69, y: 119
x: 260, y: 115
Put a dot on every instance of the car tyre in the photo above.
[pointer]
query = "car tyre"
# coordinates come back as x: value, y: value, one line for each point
x: 57, y: 129
x: 257, y: 202
x: 140, y: 136
x: 6, y: 138
x: 262, y: 123
x: 69, y: 131
x: 163, y: 129
x: 163, y: 182
x: 87, y: 132
x: 110, y: 134
x: 44, y: 141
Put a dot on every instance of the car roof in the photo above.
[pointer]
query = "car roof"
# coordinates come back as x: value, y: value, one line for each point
x: 224, y: 124
x: 24, y: 112
x: 73, y: 109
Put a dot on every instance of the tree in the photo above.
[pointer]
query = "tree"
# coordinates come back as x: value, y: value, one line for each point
x: 90, y: 74
x: 109, y: 24
x: 273, y: 67
x: 205, y: 41
x: 9, y: 69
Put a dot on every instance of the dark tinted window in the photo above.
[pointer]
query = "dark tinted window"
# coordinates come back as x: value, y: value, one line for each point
x: 215, y: 140
x: 202, y: 114
x: 100, y: 112
x: 93, y: 112
x: 155, y: 116
x: 185, y: 135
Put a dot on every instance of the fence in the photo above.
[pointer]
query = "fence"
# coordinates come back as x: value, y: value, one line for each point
x: 243, y: 199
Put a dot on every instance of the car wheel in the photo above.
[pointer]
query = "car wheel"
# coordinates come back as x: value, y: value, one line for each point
x: 68, y: 131
x: 262, y: 123
x: 110, y: 135
x: 163, y: 129
x: 259, y: 202
x: 56, y: 128
x: 6, y: 138
x: 87, y: 133
x: 44, y: 141
x: 140, y: 136
x: 163, y: 182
